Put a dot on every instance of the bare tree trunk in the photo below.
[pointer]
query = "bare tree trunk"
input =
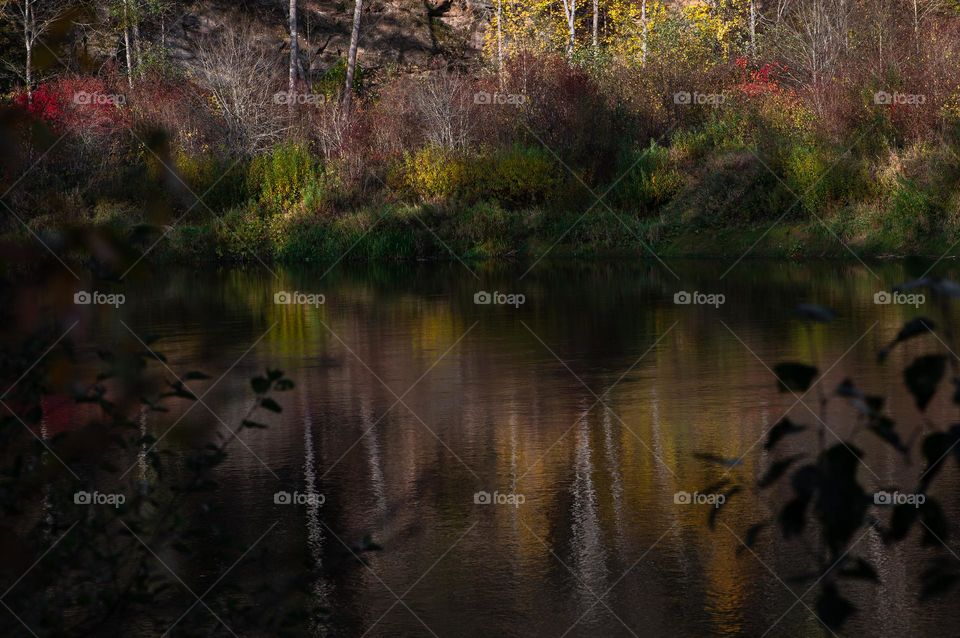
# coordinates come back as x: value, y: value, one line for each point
x: 596, y: 21
x: 570, y: 11
x: 126, y: 41
x: 500, y: 39
x: 135, y: 27
x: 352, y: 56
x: 753, y: 29
x: 646, y: 31
x: 294, y: 47
x: 28, y: 30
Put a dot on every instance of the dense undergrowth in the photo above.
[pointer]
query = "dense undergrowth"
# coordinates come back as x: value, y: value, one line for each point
x: 568, y: 156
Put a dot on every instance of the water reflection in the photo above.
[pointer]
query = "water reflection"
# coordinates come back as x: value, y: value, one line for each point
x: 499, y: 411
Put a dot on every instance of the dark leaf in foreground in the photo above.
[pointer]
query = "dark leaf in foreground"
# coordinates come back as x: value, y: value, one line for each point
x: 729, y: 494
x: 832, y: 608
x: 793, y: 517
x: 849, y: 390
x: 935, y: 526
x: 777, y: 470
x: 911, y: 329
x: 271, y: 405
x: 794, y: 377
x: 923, y: 376
x: 937, y: 285
x: 260, y: 385
x: 935, y: 449
x: 884, y: 428
x: 814, y: 312
x: 783, y: 427
x: 750, y: 539
x: 858, y: 568
x: 904, y: 516
x: 719, y: 460
x: 938, y: 579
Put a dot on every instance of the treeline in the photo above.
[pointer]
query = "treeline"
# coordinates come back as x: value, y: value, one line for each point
x: 838, y: 113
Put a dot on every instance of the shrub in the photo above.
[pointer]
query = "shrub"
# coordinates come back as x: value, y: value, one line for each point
x: 333, y: 80
x: 116, y: 214
x: 723, y: 130
x: 515, y: 177
x: 807, y: 175
x: 649, y: 178
x: 908, y: 212
x: 243, y: 234
x: 219, y: 182
x: 518, y: 176
x: 283, y: 176
x: 432, y: 174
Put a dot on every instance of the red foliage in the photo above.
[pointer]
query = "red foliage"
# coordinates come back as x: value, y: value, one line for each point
x: 759, y: 80
x: 45, y: 104
x: 76, y: 105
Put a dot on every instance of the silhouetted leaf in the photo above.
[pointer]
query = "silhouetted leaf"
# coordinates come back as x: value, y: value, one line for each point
x: 923, y: 376
x: 848, y: 390
x: 937, y: 579
x: 260, y: 385
x: 714, y: 511
x: 935, y: 449
x: 195, y: 376
x: 783, y: 427
x: 832, y: 608
x: 719, y: 460
x: 254, y: 425
x: 911, y: 329
x: 814, y: 312
x: 795, y: 377
x: 858, y: 568
x: 777, y: 470
x: 270, y: 404
x: 884, y: 428
x: 935, y: 526
x: 937, y: 285
x: 805, y: 481
x: 903, y: 518
x: 793, y: 517
x: 753, y: 533
x: 367, y: 544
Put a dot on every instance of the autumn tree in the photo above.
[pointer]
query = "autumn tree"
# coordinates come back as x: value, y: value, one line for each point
x: 35, y: 18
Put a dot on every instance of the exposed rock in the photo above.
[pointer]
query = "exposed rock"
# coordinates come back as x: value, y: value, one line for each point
x: 410, y: 34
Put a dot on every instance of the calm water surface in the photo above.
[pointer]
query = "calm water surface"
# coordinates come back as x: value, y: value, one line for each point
x: 590, y: 400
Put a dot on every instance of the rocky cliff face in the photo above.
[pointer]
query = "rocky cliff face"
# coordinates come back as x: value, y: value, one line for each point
x: 412, y: 35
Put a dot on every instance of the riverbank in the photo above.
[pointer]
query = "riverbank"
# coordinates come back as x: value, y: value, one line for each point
x: 489, y: 232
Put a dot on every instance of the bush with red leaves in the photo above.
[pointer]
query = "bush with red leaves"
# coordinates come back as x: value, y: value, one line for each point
x: 77, y: 105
